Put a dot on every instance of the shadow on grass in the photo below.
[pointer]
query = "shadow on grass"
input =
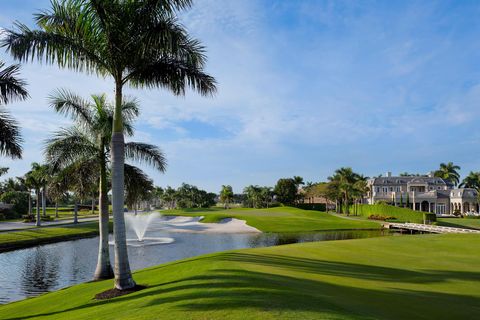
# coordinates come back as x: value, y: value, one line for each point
x: 297, y: 290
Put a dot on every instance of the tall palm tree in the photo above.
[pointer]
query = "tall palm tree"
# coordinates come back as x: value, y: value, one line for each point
x: 140, y: 43
x: 226, y: 195
x: 448, y: 172
x: 471, y: 181
x: 11, y: 88
x: 88, y: 140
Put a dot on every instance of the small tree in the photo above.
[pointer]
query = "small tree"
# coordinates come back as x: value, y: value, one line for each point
x: 226, y: 195
x: 286, y: 191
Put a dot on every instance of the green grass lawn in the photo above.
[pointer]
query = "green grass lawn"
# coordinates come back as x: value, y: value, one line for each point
x: 34, y: 236
x: 279, y: 219
x: 459, y: 222
x: 398, y: 277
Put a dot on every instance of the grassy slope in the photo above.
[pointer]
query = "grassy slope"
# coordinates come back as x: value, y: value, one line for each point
x: 280, y: 219
x: 459, y: 222
x: 378, y: 278
x: 34, y: 236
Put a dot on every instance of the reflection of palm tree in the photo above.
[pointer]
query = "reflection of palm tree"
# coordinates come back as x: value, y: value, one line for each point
x: 139, y: 43
x: 88, y: 141
x: 10, y: 88
x: 448, y: 172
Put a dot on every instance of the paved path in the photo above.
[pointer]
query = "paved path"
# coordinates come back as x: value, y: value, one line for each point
x: 18, y: 225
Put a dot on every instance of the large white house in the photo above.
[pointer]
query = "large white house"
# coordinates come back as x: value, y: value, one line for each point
x: 423, y: 193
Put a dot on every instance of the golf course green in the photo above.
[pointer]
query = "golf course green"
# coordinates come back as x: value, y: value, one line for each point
x: 397, y: 277
x: 279, y: 219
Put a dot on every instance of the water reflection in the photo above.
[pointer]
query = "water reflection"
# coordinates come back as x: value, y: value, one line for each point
x: 32, y: 271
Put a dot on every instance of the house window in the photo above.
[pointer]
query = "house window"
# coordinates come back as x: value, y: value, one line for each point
x: 378, y: 189
x: 441, y: 208
x: 385, y: 189
x: 398, y: 189
x: 391, y: 189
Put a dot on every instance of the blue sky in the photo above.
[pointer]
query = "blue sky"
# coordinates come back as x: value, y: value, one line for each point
x: 305, y: 87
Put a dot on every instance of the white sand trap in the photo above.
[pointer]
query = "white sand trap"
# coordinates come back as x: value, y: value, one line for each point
x: 193, y: 225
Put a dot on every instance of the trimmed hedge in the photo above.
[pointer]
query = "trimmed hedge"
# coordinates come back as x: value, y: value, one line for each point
x: 311, y: 206
x: 387, y: 211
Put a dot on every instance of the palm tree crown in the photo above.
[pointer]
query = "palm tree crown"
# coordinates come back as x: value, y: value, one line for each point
x: 448, y: 172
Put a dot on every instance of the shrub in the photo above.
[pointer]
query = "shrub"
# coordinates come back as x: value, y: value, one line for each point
x: 388, y: 212
x: 380, y: 217
x: 20, y: 203
x: 428, y: 218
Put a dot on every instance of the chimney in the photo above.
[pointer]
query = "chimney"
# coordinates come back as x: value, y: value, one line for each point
x: 389, y: 174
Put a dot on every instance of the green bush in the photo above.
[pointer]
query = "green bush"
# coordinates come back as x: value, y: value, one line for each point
x: 428, y: 218
x: 20, y: 203
x: 387, y: 211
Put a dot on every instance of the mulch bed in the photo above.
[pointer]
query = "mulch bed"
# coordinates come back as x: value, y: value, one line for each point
x: 112, y: 293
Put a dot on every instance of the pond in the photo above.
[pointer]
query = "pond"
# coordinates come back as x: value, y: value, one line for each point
x: 33, y: 271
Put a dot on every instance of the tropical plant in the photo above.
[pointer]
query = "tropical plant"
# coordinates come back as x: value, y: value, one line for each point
x: 36, y: 179
x: 11, y: 88
x: 226, y: 195
x: 140, y: 43
x: 471, y: 181
x: 298, y: 181
x: 88, y: 140
x: 169, y: 197
x: 344, y: 181
x: 448, y: 172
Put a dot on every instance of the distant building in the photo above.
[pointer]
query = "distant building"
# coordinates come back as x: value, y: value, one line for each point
x: 422, y: 193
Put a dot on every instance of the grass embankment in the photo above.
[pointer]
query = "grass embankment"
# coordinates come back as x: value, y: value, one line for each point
x: 387, y: 211
x: 34, y: 236
x: 279, y: 219
x: 469, y: 223
x: 405, y: 277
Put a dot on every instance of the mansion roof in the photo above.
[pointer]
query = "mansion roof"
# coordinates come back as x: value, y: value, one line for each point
x: 390, y: 181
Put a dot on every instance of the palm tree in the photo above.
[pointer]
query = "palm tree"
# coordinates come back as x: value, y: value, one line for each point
x: 226, y: 195
x: 88, y: 140
x: 10, y: 88
x: 36, y: 179
x: 298, y: 181
x: 448, y: 172
x: 345, y: 180
x: 471, y: 181
x: 140, y: 43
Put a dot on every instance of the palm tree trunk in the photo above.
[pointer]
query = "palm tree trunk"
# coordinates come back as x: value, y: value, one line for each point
x: 123, y: 275
x: 347, y: 211
x: 38, y: 223
x: 104, y: 268
x: 56, y: 209
x: 75, y: 212
x: 44, y: 201
x: 29, y: 202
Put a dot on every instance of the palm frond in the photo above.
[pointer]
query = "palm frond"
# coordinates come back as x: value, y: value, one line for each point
x: 146, y: 153
x: 66, y: 102
x: 69, y: 146
x: 10, y: 86
x: 10, y: 137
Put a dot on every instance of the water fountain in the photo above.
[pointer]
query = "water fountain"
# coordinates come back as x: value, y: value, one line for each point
x: 139, y: 223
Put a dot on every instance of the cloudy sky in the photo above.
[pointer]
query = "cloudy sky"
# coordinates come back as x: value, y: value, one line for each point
x: 305, y: 87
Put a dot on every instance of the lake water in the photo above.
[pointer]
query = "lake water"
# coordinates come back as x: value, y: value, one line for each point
x: 33, y: 271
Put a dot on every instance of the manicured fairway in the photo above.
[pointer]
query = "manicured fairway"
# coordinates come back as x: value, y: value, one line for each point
x: 280, y: 219
x: 398, y: 277
x: 34, y: 236
x: 460, y: 222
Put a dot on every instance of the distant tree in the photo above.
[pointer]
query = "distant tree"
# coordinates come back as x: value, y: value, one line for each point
x: 449, y: 172
x: 169, y: 197
x: 298, y: 181
x: 345, y: 180
x: 286, y: 191
x: 138, y: 187
x: 37, y: 180
x: 266, y: 196
x: 226, y: 195
x: 252, y: 196
x: 471, y: 181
